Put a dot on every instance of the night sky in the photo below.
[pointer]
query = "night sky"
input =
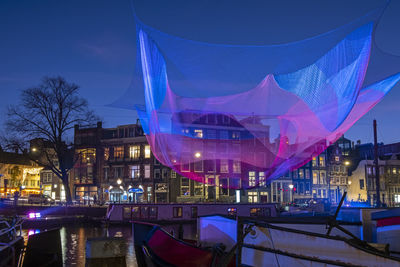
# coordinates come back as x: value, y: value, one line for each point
x: 92, y: 43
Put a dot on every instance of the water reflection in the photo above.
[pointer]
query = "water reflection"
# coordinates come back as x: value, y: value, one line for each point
x: 73, y: 240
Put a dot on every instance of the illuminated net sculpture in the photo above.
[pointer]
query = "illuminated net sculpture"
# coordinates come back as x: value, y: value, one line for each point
x: 239, y: 116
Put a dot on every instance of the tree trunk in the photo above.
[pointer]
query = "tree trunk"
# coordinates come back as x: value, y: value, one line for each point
x: 67, y: 190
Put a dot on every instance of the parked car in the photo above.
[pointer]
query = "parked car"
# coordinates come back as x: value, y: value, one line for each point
x: 40, y: 199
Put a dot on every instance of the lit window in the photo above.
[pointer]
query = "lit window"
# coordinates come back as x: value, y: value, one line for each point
x: 252, y: 198
x: 252, y: 178
x: 147, y: 171
x: 198, y: 189
x: 315, y: 177
x: 147, y: 152
x: 173, y: 174
x: 301, y: 173
x: 198, y: 133
x: 314, y: 162
x: 106, y: 153
x: 118, y: 152
x: 261, y: 178
x: 235, y: 135
x: 134, y: 152
x: 337, y: 158
x: 322, y: 161
x: 135, y: 171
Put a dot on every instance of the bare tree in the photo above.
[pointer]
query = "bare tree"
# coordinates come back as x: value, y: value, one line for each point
x: 48, y: 113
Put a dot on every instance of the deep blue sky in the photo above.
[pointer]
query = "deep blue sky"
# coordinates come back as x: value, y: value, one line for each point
x: 92, y: 43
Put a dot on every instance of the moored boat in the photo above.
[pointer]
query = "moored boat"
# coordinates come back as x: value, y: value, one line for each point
x: 156, y: 247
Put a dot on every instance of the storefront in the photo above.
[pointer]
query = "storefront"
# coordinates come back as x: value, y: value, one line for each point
x: 135, y: 195
x: 85, y: 193
x: 116, y: 195
x: 161, y: 192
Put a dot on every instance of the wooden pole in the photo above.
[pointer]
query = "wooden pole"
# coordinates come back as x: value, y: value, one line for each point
x: 376, y: 163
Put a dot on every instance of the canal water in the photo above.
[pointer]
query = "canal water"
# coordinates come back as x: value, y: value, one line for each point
x: 73, y: 240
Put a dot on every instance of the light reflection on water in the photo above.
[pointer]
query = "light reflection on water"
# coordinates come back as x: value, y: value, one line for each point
x: 73, y: 240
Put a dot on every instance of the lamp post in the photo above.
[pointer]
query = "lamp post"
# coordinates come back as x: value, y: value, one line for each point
x: 291, y: 192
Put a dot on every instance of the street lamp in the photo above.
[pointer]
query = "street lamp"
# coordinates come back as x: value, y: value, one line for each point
x: 347, y: 163
x: 291, y: 192
x: 119, y: 181
x: 34, y: 149
x: 197, y: 155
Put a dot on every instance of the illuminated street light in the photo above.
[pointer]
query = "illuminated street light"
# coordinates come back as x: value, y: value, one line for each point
x: 349, y: 182
x: 34, y: 149
x: 119, y: 181
x: 197, y: 155
x: 347, y: 163
x: 291, y: 186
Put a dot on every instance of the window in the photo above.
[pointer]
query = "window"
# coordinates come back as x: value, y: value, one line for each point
x: 223, y: 186
x: 236, y: 166
x: 236, y: 135
x: 33, y: 183
x: 307, y: 174
x: 147, y: 171
x: 315, y: 177
x: 173, y: 174
x: 252, y: 179
x: 198, y: 189
x: 322, y: 177
x: 106, y: 153
x: 369, y: 170
x: 224, y: 166
x: 149, y: 193
x: 134, y: 152
x: 322, y: 161
x: 185, y: 166
x: 157, y: 174
x: 185, y: 186
x: 261, y: 178
x: 106, y: 172
x: 394, y: 170
x: 118, y: 171
x: 307, y: 188
x: 135, y: 171
x: 301, y: 173
x: 337, y: 158
x: 314, y: 162
x: 198, y: 166
x: 295, y: 174
x: 252, y: 197
x: 118, y: 152
x: 362, y: 184
x: 147, y: 151
x: 164, y: 173
x: 177, y: 212
x: 198, y: 133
